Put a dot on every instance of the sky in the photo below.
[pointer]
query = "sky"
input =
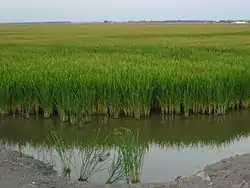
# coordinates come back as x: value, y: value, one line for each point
x: 121, y: 10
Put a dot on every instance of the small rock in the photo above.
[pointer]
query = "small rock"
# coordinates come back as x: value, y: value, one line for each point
x: 178, y: 178
x: 204, y: 176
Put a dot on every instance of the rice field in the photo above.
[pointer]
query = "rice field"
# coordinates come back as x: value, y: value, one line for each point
x: 77, y: 71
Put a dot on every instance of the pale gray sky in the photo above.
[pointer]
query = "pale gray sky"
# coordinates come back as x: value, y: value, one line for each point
x: 99, y: 10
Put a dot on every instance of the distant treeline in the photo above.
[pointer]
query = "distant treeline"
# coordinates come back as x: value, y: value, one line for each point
x: 29, y: 23
x: 178, y: 21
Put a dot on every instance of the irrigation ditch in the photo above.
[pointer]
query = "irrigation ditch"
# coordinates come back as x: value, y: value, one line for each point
x: 118, y: 152
x: 123, y: 167
x: 167, y: 144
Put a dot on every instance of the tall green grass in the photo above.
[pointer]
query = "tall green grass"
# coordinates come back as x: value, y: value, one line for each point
x: 126, y: 164
x: 116, y: 170
x: 203, y: 75
x: 131, y: 153
x: 93, y: 158
x: 64, y: 151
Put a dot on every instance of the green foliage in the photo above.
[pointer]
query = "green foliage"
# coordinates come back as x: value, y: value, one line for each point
x: 131, y: 153
x: 116, y: 170
x: 126, y: 164
x: 63, y: 150
x: 168, y: 70
x: 93, y: 158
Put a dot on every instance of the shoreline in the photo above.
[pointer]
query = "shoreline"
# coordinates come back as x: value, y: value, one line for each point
x: 25, y: 171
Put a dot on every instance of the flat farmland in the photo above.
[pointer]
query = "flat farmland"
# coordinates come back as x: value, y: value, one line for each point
x: 80, y: 70
x: 124, y: 34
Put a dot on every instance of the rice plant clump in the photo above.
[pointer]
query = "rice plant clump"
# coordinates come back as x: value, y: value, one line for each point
x: 64, y: 151
x: 93, y: 157
x: 131, y: 153
x: 116, y: 170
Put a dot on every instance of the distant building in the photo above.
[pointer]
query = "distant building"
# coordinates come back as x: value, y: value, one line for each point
x: 240, y: 22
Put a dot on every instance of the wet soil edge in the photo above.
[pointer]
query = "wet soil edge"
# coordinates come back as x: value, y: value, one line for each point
x: 23, y: 171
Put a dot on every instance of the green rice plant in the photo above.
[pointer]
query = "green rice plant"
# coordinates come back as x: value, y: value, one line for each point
x: 144, y: 94
x: 24, y: 97
x: 136, y: 100
x: 116, y: 170
x: 111, y: 71
x: 114, y: 87
x: 87, y: 98
x: 101, y: 96
x: 45, y: 94
x: 168, y: 92
x: 93, y: 157
x: 62, y: 100
x: 131, y: 154
x: 4, y: 88
x: 4, y: 97
x: 63, y: 150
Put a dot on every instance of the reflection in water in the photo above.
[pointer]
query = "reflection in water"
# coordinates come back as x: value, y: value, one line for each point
x: 175, y: 146
x: 44, y: 153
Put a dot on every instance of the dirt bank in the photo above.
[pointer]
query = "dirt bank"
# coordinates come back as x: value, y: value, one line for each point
x: 25, y: 172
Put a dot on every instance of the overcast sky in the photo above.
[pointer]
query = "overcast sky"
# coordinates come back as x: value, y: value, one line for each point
x: 99, y: 10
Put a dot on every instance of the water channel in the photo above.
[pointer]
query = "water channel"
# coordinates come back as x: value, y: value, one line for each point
x: 176, y: 146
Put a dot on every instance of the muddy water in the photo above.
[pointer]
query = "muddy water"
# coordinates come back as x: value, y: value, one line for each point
x: 177, y: 146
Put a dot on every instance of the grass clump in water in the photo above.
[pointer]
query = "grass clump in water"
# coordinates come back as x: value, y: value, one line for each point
x: 131, y: 154
x: 63, y: 151
x: 94, y: 158
x: 116, y: 170
x: 125, y: 166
